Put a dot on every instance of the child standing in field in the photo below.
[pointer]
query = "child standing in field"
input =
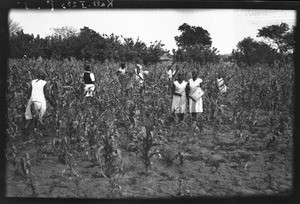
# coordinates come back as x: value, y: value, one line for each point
x: 89, y: 81
x: 179, y: 96
x: 37, y: 101
x: 195, y: 95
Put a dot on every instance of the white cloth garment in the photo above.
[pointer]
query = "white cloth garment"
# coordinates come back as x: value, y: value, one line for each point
x: 92, y: 77
x: 139, y: 76
x: 179, y: 102
x: 89, y: 90
x: 37, y: 98
x: 195, y: 107
x: 122, y: 71
x: 222, y: 87
x: 170, y: 74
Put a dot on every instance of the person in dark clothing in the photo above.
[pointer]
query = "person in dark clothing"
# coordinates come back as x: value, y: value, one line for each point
x: 89, y: 82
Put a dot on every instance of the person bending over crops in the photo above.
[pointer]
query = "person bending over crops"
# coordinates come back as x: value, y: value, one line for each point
x: 37, y: 100
x: 179, y: 96
x: 195, y: 95
x: 89, y: 81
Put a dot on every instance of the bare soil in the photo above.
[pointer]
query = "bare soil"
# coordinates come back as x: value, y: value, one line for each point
x: 216, y: 162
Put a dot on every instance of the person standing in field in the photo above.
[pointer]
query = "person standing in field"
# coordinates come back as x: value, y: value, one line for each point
x: 171, y: 73
x: 122, y: 70
x: 121, y: 73
x: 194, y: 88
x: 139, y: 76
x: 221, y: 85
x: 179, y: 92
x: 89, y: 82
x: 37, y: 100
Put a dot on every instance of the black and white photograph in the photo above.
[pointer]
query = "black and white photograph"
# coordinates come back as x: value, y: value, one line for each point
x: 149, y: 103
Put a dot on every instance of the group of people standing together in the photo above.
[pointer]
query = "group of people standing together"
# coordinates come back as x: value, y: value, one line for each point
x: 187, y: 95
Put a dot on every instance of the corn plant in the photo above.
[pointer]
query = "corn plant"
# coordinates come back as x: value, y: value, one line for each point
x: 146, y: 146
x: 77, y: 180
x: 28, y: 174
x: 71, y: 162
x: 113, y: 188
x: 182, y: 191
x: 108, y: 154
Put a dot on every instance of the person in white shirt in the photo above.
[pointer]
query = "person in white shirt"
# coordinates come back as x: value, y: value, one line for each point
x: 122, y: 75
x: 37, y: 100
x: 139, y: 76
x: 89, y: 82
x: 171, y: 73
x: 194, y: 88
x: 122, y: 70
x: 179, y: 102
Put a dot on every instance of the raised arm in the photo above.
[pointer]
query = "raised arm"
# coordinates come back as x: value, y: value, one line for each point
x: 92, y: 77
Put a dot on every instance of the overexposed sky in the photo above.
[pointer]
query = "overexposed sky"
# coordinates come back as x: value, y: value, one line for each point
x: 226, y: 26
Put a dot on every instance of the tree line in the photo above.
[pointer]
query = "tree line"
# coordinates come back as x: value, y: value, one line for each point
x: 194, y: 44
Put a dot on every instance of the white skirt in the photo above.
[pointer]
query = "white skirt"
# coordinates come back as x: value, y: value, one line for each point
x: 196, y: 107
x: 179, y: 104
x: 39, y: 106
x: 89, y: 90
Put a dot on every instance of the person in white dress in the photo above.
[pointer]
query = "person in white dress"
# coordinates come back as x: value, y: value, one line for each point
x: 37, y: 100
x: 195, y: 83
x: 179, y: 102
x: 89, y: 82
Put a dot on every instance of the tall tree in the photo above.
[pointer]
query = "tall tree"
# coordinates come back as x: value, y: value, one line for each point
x: 192, y: 35
x: 14, y: 27
x: 194, y: 44
x: 280, y: 35
x: 251, y: 52
x: 20, y: 44
x: 64, y: 32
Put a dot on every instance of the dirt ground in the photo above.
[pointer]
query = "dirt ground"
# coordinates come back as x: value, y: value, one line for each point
x: 216, y: 162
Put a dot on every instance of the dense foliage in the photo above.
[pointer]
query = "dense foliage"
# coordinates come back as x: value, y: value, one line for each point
x: 277, y: 46
x: 194, y: 45
x: 66, y: 43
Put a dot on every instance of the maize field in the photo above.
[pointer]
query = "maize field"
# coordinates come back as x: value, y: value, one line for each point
x: 126, y: 144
